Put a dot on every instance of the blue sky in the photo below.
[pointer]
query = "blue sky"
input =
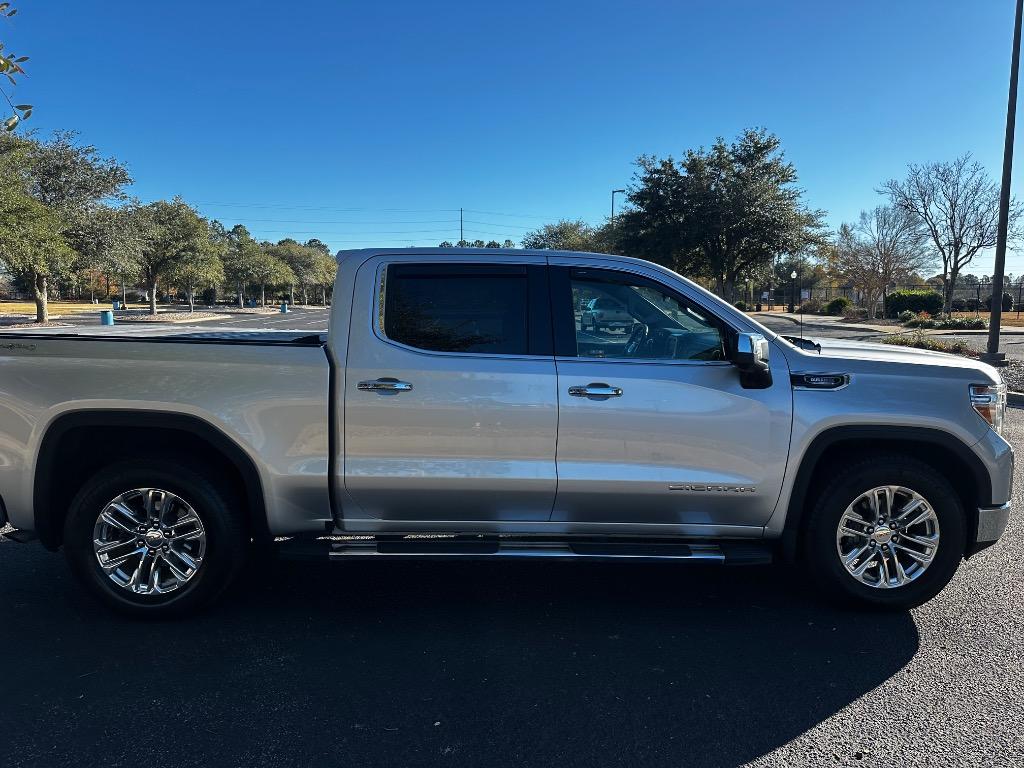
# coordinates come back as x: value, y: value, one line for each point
x: 366, y: 123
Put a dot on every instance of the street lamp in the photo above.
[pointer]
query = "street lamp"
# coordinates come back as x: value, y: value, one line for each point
x: 792, y: 292
x: 615, y: 192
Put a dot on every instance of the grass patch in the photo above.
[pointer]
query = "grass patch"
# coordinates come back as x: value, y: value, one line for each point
x: 920, y: 341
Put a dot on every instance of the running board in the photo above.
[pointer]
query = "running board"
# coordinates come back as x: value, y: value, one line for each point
x: 456, y: 547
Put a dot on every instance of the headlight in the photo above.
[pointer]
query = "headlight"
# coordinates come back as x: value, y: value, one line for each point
x: 989, y: 400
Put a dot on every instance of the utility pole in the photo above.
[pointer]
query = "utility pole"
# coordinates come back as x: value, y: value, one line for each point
x: 992, y: 354
x: 461, y: 238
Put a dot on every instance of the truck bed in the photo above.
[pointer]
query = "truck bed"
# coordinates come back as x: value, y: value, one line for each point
x: 265, y: 391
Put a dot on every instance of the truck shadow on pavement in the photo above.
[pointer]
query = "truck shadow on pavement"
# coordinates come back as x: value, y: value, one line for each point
x: 436, y: 663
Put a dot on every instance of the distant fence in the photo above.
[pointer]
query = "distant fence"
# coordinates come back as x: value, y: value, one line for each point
x: 966, y: 297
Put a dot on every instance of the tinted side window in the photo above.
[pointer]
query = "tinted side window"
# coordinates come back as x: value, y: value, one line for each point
x: 464, y: 308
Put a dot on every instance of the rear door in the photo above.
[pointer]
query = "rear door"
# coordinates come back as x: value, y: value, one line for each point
x: 450, y: 403
x: 655, y: 426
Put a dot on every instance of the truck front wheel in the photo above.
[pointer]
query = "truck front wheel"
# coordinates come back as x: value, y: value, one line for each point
x: 886, y: 532
x: 154, y: 538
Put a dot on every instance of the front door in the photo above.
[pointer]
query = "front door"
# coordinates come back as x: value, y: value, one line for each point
x: 655, y: 426
x: 450, y: 402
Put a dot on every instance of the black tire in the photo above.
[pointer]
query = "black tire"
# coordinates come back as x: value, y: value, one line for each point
x: 819, y: 542
x: 226, y: 538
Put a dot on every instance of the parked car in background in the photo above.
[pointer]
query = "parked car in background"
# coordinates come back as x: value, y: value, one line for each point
x: 601, y: 314
x: 457, y: 410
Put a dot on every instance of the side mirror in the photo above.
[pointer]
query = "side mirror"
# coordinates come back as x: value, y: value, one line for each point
x: 751, y: 353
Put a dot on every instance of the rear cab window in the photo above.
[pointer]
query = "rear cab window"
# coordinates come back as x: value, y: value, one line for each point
x: 485, y: 309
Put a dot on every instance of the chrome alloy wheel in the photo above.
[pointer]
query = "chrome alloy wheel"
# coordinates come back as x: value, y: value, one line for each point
x: 888, y: 536
x: 149, y: 541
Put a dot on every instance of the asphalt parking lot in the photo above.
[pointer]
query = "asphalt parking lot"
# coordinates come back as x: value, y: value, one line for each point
x: 517, y: 664
x: 313, y: 319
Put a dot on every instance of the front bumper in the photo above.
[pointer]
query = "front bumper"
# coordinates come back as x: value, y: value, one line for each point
x: 991, y: 523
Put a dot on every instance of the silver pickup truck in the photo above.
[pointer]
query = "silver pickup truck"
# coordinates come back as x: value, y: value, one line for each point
x: 458, y: 408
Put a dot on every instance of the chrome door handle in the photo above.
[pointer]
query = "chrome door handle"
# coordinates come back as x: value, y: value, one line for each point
x: 595, y: 390
x: 385, y: 384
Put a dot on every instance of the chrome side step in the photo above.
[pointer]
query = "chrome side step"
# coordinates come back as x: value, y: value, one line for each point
x: 457, y: 547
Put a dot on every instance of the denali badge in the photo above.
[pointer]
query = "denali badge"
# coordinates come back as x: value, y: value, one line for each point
x: 819, y: 380
x: 701, y: 487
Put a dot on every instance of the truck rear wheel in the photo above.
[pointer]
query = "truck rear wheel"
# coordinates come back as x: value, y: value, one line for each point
x: 887, y: 532
x: 154, y: 538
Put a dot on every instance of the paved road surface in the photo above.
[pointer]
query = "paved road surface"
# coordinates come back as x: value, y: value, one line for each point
x: 298, y: 319
x: 517, y: 664
x: 303, y: 319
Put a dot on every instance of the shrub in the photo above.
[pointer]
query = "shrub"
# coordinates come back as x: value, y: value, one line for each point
x: 958, y: 305
x: 906, y: 316
x: 1007, y: 302
x: 971, y: 305
x: 855, y: 313
x: 963, y: 323
x: 920, y: 341
x: 810, y: 307
x: 838, y: 306
x: 924, y: 320
x: 915, y: 301
x: 741, y: 305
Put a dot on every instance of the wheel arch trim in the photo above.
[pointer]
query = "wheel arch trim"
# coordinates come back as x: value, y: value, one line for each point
x: 882, y: 433
x: 42, y: 492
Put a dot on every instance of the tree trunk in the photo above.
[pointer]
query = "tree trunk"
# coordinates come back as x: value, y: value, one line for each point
x: 950, y: 286
x: 305, y: 295
x: 152, y: 297
x: 39, y: 294
x: 291, y: 294
x: 241, y: 298
x: 107, y: 279
x: 263, y: 295
x: 191, y: 299
x: 324, y: 289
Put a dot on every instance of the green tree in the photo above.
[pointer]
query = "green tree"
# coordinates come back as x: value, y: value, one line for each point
x: 31, y: 245
x: 270, y: 269
x: 72, y: 180
x: 240, y: 257
x: 109, y: 244
x: 176, y: 233
x: 319, y: 245
x: 325, y: 267
x: 564, y: 235
x: 198, y: 266
x: 300, y: 260
x: 10, y: 67
x: 718, y: 213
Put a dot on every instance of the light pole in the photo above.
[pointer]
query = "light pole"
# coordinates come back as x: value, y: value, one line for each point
x: 792, y: 291
x: 992, y: 354
x: 615, y: 192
